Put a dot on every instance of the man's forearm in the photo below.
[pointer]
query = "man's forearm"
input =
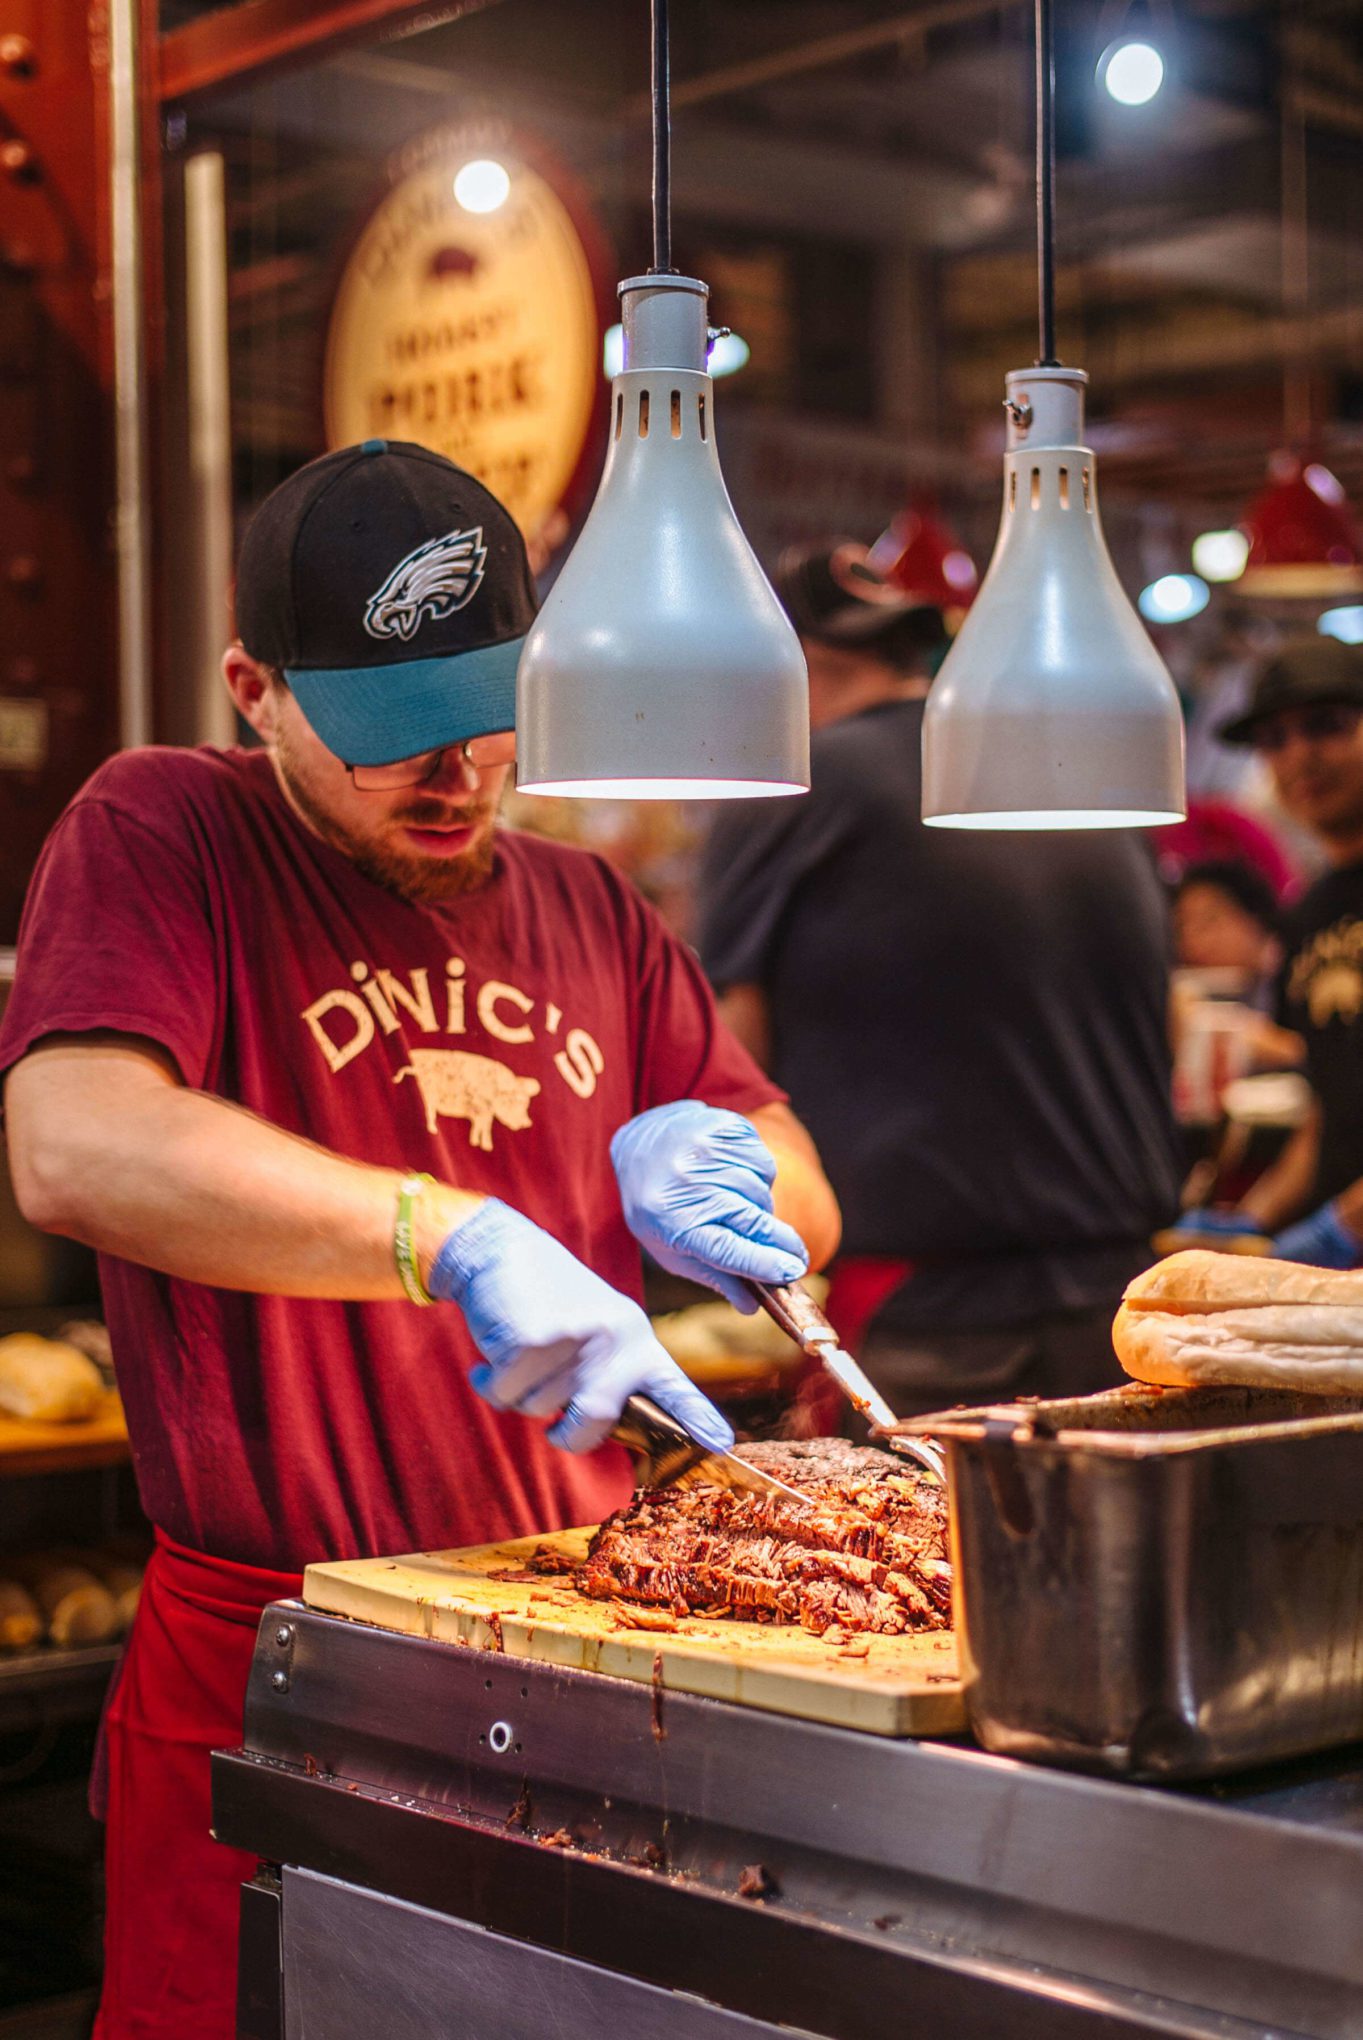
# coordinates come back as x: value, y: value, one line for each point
x: 802, y: 1194
x: 109, y: 1150
x: 1284, y: 1189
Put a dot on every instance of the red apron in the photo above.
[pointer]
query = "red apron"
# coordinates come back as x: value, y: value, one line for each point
x: 170, y: 1938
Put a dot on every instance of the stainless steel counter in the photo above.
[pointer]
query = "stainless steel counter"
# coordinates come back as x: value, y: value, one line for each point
x: 476, y: 1845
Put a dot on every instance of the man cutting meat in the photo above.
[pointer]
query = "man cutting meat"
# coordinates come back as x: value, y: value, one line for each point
x: 300, y: 1042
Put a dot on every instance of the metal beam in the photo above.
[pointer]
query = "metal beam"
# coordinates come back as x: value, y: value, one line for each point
x: 819, y: 54
x: 242, y: 42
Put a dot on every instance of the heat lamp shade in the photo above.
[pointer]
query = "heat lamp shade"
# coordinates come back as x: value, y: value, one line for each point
x: 1052, y: 710
x: 1303, y: 541
x: 662, y: 664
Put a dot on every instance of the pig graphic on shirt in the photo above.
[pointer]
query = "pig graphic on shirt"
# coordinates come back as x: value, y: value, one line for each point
x: 457, y: 1085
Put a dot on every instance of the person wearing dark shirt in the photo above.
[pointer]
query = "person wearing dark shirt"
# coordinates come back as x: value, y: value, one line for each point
x: 1305, y: 718
x: 973, y: 1026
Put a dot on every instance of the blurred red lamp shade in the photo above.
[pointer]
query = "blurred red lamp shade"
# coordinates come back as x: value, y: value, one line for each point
x: 1303, y: 541
x: 921, y: 557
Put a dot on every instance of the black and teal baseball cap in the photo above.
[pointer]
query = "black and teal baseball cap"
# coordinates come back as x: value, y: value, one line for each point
x: 392, y: 591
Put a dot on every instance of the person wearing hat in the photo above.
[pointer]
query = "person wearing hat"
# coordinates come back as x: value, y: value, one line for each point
x: 973, y: 1026
x: 1305, y: 720
x: 300, y: 1041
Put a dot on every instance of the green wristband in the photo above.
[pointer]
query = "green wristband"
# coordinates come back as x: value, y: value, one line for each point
x: 409, y: 1189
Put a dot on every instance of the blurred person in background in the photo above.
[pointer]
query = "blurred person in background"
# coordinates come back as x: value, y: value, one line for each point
x: 974, y: 1026
x: 1228, y: 941
x: 1305, y: 720
x: 1226, y: 919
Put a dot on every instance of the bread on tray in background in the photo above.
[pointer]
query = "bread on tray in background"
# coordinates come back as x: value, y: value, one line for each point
x: 46, y: 1380
x: 1203, y: 1318
x: 69, y: 1597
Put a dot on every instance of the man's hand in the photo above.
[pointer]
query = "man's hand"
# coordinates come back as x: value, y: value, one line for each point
x: 695, y: 1183
x: 1323, y: 1240
x: 555, y: 1337
x: 1209, y: 1222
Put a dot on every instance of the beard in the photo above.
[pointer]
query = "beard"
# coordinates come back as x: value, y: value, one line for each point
x: 426, y: 880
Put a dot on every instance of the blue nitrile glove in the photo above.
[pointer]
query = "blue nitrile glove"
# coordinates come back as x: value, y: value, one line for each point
x: 1323, y: 1240
x: 555, y: 1337
x: 1208, y: 1221
x: 695, y: 1183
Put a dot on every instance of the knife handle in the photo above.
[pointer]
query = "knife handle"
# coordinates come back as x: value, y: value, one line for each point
x: 795, y: 1311
x: 662, y: 1449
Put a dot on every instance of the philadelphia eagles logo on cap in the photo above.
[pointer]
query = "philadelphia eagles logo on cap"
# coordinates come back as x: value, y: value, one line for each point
x: 435, y: 580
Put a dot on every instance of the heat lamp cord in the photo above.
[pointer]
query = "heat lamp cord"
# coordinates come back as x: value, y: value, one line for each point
x: 1045, y: 178
x: 662, y: 145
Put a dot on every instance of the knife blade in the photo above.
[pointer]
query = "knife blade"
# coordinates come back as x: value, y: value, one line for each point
x: 792, y: 1307
x: 666, y: 1455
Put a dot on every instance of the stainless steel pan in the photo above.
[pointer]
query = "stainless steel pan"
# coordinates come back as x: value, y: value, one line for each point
x: 1159, y: 1583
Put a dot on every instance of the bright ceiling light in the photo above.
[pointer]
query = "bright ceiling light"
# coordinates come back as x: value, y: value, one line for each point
x: 729, y: 352
x: 1346, y: 624
x: 1131, y: 72
x: 1173, y: 598
x: 482, y: 186
x: 1220, y: 555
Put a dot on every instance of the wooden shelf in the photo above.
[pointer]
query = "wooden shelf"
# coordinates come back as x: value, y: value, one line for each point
x: 100, y: 1440
x: 47, y: 1684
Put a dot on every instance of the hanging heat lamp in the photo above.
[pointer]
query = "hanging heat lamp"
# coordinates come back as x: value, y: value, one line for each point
x: 662, y: 665
x: 1303, y: 542
x: 1052, y: 710
x: 920, y: 556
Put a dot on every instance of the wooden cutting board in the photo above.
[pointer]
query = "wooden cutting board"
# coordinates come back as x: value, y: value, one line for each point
x: 901, y: 1685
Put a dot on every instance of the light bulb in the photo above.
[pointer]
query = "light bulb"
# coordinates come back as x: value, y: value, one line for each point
x: 1346, y: 624
x: 612, y: 351
x: 1174, y: 598
x: 662, y: 665
x: 1052, y: 710
x: 1131, y: 72
x: 482, y: 186
x: 1220, y: 555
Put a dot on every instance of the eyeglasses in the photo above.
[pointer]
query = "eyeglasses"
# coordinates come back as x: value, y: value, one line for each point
x: 482, y: 753
x: 1321, y: 721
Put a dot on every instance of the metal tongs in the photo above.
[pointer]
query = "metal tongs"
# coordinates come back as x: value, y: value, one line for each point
x: 793, y: 1308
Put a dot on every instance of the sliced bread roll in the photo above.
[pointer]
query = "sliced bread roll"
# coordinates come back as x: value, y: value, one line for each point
x: 1198, y: 1281
x: 1216, y: 1318
x: 1233, y: 1349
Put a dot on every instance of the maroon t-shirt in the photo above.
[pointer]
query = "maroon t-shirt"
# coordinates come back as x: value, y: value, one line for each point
x: 496, y: 1041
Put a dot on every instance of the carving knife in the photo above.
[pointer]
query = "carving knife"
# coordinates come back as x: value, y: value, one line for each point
x: 665, y: 1455
x: 795, y: 1311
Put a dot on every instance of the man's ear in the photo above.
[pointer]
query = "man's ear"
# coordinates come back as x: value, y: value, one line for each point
x: 253, y: 690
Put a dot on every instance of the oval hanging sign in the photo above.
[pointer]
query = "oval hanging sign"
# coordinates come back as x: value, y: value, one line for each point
x: 469, y: 319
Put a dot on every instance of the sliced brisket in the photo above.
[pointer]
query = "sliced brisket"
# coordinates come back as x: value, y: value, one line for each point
x: 870, y: 1555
